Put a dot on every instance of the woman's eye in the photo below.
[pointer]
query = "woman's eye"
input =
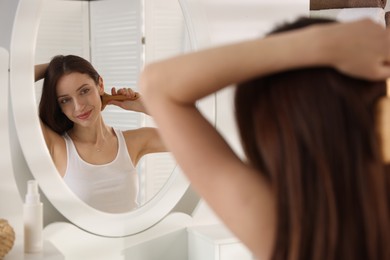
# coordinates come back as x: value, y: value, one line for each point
x: 84, y: 91
x: 64, y: 101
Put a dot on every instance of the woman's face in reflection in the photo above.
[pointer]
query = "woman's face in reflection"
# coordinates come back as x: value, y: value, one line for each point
x: 79, y: 98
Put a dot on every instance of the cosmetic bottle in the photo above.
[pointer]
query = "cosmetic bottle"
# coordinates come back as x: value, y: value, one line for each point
x: 33, y: 219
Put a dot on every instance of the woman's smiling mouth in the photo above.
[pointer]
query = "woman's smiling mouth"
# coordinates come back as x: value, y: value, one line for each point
x: 84, y: 115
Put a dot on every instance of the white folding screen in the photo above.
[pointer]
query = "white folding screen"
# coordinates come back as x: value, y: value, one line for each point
x: 63, y: 29
x: 116, y: 52
x: 165, y: 36
x: 165, y: 30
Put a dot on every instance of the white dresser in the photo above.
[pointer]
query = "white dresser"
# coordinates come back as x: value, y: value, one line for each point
x: 215, y: 242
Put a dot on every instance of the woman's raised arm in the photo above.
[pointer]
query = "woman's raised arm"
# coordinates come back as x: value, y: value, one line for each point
x: 40, y: 70
x: 357, y: 48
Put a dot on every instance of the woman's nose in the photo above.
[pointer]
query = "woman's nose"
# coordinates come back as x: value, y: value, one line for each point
x: 78, y: 104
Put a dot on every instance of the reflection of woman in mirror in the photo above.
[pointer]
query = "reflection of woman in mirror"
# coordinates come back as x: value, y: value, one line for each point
x: 95, y: 160
x: 314, y: 184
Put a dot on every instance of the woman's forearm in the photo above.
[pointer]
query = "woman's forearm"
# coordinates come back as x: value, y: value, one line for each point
x: 187, y: 78
x: 40, y: 70
x: 190, y: 77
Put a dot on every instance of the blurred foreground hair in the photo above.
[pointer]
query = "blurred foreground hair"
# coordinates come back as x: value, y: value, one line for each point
x: 312, y: 133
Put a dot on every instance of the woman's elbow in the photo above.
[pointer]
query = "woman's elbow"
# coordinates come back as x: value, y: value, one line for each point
x: 155, y: 87
x: 150, y: 82
x: 147, y: 86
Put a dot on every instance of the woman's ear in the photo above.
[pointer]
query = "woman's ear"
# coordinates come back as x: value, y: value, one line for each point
x: 101, y: 86
x: 383, y: 126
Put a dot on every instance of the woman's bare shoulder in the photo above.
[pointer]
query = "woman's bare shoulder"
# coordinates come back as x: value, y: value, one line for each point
x: 55, y: 143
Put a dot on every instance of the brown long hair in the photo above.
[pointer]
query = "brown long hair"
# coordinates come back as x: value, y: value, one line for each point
x: 49, y: 109
x: 312, y: 133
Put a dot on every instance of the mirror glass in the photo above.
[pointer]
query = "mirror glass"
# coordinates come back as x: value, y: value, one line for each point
x: 118, y: 37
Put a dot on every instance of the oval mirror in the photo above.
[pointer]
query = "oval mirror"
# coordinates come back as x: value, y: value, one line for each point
x: 118, y: 37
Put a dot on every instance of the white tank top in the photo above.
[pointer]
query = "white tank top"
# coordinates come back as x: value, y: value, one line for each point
x: 111, y: 187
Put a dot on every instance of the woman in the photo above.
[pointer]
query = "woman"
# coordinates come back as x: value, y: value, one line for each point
x: 313, y: 185
x: 96, y: 161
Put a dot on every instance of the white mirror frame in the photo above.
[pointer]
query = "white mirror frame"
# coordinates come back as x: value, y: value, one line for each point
x: 34, y: 149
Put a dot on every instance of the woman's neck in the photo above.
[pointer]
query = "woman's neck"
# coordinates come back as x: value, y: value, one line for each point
x: 94, y: 135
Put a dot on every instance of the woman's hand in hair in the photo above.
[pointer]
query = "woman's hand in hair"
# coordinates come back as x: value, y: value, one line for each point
x: 360, y: 48
x: 134, y: 102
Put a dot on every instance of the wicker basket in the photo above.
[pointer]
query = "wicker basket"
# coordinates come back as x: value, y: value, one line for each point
x: 7, y: 237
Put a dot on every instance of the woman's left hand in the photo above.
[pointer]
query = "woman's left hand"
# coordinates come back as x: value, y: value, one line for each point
x: 133, y: 103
